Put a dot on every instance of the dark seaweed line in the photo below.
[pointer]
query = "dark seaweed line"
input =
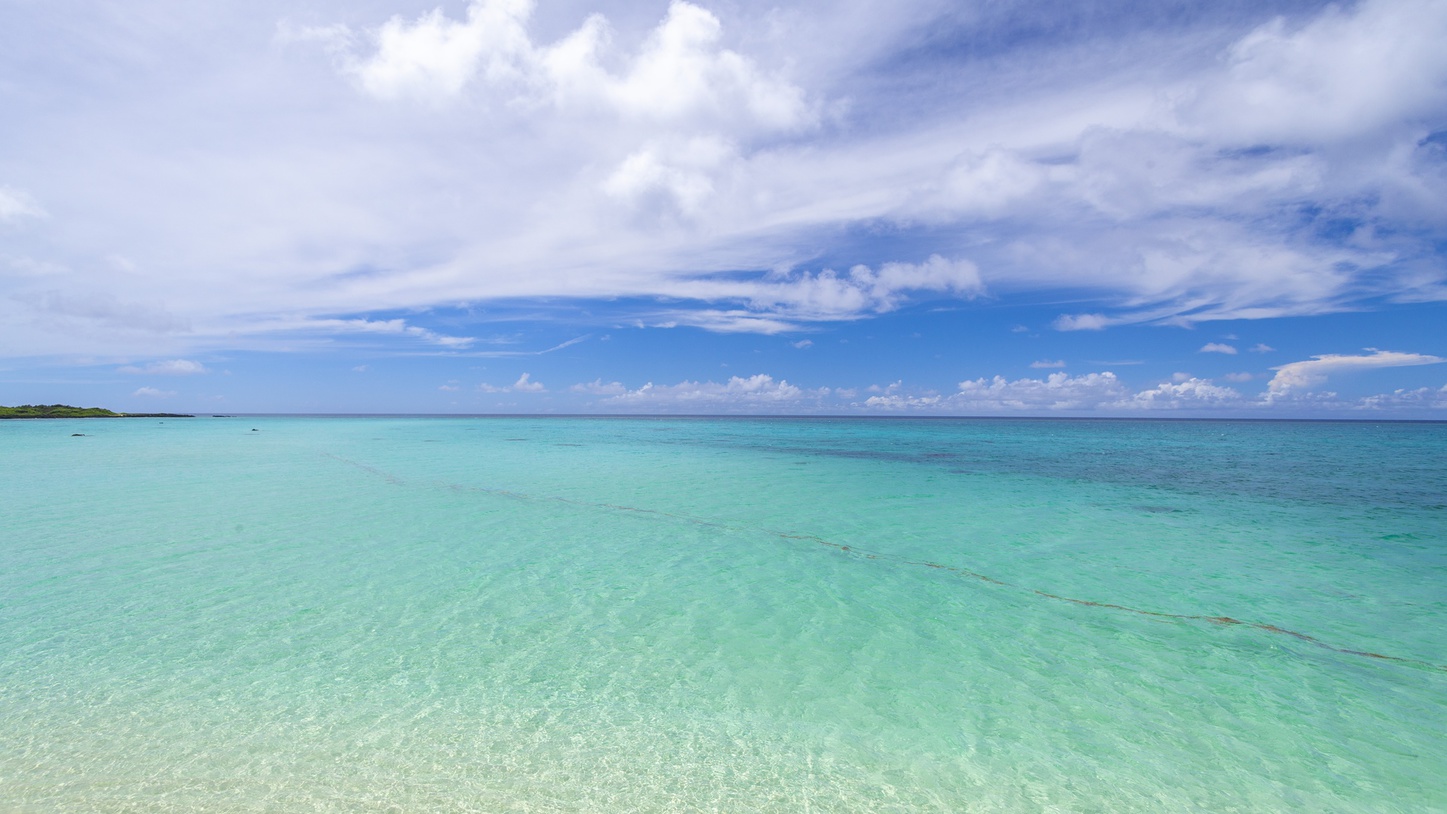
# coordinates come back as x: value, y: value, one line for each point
x: 1186, y: 617
x: 1225, y: 621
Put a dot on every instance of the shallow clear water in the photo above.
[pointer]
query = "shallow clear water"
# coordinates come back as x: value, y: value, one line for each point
x: 507, y: 614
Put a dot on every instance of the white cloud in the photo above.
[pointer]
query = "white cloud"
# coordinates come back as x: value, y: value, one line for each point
x: 151, y: 392
x: 435, y: 57
x: 829, y: 295
x: 598, y: 387
x: 1420, y: 398
x: 1192, y: 392
x: 783, y: 302
x: 173, y: 367
x: 895, y: 402
x: 670, y: 178
x: 679, y: 74
x: 16, y: 204
x: 1218, y: 347
x: 1102, y: 393
x: 728, y: 321
x: 524, y: 384
x: 1293, y: 378
x: 1238, y: 377
x: 1344, y: 74
x: 1058, y: 391
x: 1047, y: 364
x: 386, y: 327
x: 1262, y: 347
x: 803, y: 343
x: 753, y: 390
x: 102, y: 313
x: 1225, y: 166
x: 1081, y: 322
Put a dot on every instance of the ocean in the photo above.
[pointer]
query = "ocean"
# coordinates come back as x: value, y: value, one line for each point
x: 505, y: 614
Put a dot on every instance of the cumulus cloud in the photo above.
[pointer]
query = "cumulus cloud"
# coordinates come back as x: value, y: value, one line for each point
x: 1103, y: 393
x: 1299, y: 376
x: 1058, y: 391
x: 173, y: 367
x: 1192, y: 392
x: 1430, y: 398
x: 524, y: 384
x: 896, y: 402
x: 759, y: 389
x: 670, y: 178
x: 787, y: 301
x: 828, y: 295
x: 1218, y: 347
x: 436, y: 56
x: 680, y: 73
x: 1100, y: 393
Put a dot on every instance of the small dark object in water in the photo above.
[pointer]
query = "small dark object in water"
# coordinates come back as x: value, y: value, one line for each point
x: 1159, y: 509
x: 253, y: 429
x: 77, y: 435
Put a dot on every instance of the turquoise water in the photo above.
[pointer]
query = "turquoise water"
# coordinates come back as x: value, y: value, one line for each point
x: 508, y: 614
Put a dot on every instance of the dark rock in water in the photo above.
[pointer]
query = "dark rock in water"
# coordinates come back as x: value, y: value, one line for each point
x: 253, y: 429
x: 77, y: 435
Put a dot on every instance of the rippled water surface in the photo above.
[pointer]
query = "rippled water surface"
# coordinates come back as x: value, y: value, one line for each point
x: 507, y: 614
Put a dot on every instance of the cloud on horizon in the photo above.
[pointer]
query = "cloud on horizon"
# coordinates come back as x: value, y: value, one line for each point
x: 1101, y: 392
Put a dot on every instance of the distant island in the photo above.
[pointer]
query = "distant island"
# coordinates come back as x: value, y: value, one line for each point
x: 67, y: 411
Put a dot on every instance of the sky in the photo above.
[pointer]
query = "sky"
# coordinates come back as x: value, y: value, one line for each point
x: 921, y: 207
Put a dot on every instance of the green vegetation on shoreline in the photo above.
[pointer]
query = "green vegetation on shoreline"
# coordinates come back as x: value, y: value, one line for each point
x: 66, y: 411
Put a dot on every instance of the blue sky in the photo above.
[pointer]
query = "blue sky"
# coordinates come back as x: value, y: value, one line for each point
x: 919, y: 208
